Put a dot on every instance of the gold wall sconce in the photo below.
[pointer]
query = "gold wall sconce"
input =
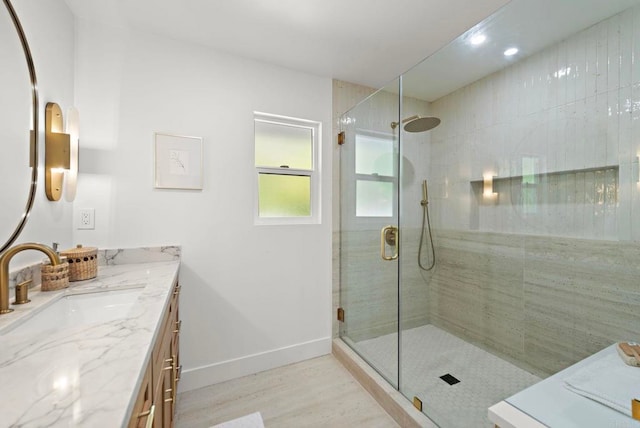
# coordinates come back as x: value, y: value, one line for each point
x: 61, y: 153
x: 488, y: 189
x: 71, y: 176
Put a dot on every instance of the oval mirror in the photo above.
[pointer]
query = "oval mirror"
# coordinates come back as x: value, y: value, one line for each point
x: 18, y: 127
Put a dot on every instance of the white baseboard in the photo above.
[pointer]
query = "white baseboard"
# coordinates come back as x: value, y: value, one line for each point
x: 200, y: 377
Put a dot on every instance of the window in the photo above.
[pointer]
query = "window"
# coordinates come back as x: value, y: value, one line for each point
x: 286, y: 153
x: 375, y: 178
x: 530, y: 168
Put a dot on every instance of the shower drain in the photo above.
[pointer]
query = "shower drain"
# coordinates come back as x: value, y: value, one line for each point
x: 450, y: 379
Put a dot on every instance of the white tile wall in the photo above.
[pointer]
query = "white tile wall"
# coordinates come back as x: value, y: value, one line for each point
x: 573, y: 105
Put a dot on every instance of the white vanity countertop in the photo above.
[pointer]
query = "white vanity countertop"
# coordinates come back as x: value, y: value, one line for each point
x: 86, y: 376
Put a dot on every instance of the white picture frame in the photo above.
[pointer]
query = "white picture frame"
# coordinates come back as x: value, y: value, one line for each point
x: 178, y: 162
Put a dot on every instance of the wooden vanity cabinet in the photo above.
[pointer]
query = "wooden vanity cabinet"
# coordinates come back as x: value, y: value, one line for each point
x: 142, y: 407
x: 157, y: 395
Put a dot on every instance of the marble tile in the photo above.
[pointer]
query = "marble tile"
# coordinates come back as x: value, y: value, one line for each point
x: 414, y: 282
x: 31, y: 272
x: 580, y: 297
x: 476, y: 290
x: 549, y: 342
x: 428, y: 353
x: 121, y: 256
x: 105, y: 257
x: 368, y: 286
x: 545, y: 302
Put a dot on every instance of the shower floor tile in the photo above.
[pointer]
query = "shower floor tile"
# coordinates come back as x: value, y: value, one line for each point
x: 429, y: 353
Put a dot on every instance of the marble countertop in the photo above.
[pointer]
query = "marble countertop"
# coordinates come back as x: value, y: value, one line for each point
x: 84, y: 376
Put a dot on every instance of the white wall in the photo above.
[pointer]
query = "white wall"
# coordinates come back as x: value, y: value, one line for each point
x: 49, y: 28
x: 253, y: 297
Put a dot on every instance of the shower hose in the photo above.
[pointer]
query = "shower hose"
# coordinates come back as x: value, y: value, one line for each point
x: 426, y: 221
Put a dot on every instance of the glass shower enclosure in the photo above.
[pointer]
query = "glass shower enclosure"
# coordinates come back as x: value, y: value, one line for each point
x: 370, y: 168
x: 533, y: 201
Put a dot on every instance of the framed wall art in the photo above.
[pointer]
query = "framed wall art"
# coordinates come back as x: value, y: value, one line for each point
x: 178, y: 162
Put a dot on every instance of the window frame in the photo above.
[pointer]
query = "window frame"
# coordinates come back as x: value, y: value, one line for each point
x: 393, y: 179
x: 313, y: 173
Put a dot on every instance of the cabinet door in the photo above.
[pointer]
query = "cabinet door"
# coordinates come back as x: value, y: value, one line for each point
x: 171, y: 377
x: 163, y: 397
x: 160, y: 366
x: 175, y: 352
x: 175, y: 339
x: 159, y: 389
x: 166, y: 401
x: 142, y: 408
x: 169, y: 399
x: 158, y: 416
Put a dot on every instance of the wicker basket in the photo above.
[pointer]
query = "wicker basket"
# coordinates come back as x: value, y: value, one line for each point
x: 54, y: 277
x: 83, y: 262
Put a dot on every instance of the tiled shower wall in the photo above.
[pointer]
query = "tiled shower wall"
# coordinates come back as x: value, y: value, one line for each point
x: 541, y: 302
x: 571, y: 106
x: 550, y: 282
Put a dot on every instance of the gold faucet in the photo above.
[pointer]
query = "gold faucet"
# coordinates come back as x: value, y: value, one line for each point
x: 6, y: 257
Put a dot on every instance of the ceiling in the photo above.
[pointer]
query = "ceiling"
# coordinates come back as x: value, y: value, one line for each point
x: 369, y: 42
x: 530, y: 25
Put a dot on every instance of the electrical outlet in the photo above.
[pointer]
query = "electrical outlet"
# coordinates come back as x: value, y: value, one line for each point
x: 87, y: 218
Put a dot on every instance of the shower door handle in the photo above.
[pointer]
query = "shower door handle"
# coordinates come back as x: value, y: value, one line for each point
x: 390, y: 235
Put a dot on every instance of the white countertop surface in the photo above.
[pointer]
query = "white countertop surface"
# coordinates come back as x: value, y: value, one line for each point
x: 549, y: 403
x: 86, y: 376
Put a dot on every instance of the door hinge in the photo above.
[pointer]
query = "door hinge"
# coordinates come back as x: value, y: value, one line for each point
x: 340, y: 314
x: 417, y: 403
x: 341, y: 138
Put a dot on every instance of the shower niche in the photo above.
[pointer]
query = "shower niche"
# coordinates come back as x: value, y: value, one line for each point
x: 578, y: 203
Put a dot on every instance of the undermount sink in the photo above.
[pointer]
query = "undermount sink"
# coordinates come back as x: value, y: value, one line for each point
x: 78, y: 309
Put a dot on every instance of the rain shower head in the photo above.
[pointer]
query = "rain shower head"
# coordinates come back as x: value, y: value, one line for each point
x: 418, y: 123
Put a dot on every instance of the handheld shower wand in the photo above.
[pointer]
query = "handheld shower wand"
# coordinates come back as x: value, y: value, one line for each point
x: 425, y: 220
x: 425, y: 192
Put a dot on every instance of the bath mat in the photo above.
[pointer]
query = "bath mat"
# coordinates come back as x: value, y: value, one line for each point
x: 254, y: 420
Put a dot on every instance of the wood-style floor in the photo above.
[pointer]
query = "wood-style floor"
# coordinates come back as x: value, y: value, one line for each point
x: 314, y: 393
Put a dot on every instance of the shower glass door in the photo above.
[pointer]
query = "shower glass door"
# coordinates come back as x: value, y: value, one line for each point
x: 369, y: 237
